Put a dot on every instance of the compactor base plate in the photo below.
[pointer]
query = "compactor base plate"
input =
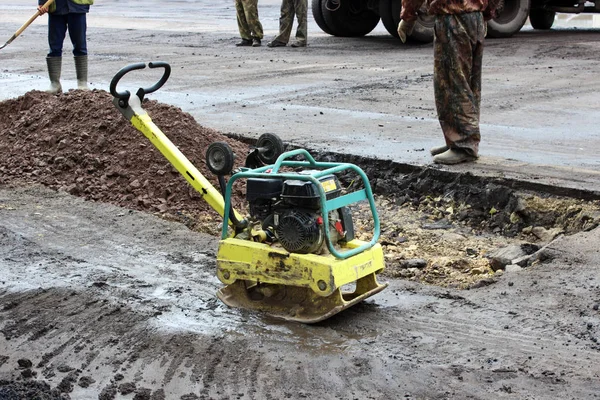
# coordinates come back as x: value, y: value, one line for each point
x: 294, y: 303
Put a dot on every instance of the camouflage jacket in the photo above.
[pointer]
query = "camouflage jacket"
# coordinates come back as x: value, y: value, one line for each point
x: 487, y: 7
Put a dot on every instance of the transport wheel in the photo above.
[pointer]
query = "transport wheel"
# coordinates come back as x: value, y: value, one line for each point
x: 389, y: 11
x: 541, y: 19
x: 219, y: 158
x: 269, y: 147
x: 318, y: 16
x: 510, y: 20
x: 349, y: 18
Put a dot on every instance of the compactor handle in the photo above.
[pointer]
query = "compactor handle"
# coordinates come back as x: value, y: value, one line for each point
x: 124, y: 96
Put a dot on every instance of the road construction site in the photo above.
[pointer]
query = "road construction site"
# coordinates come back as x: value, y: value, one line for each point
x: 108, y: 257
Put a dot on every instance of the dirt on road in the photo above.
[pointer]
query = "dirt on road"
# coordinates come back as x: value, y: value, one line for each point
x: 99, y: 302
x: 107, y: 301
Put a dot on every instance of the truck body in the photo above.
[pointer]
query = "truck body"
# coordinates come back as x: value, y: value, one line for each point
x: 353, y: 18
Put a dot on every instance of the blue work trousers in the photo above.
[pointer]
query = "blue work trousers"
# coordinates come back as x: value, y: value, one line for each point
x: 57, y: 30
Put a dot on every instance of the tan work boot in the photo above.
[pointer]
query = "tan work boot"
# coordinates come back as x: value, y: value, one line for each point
x: 54, y: 67
x: 438, y: 150
x: 452, y: 156
x: 81, y: 70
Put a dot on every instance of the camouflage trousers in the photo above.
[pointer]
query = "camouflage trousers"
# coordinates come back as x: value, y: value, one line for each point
x: 458, y: 54
x: 247, y: 19
x: 289, y: 9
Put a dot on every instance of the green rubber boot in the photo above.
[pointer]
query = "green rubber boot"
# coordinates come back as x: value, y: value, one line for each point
x: 81, y: 70
x: 54, y: 67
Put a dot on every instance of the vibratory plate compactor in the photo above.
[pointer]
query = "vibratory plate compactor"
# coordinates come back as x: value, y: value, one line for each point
x: 295, y: 252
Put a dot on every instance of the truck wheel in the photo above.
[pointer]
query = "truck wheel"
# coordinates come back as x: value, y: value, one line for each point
x: 541, y: 19
x: 349, y: 18
x: 389, y: 11
x: 510, y: 20
x: 318, y: 16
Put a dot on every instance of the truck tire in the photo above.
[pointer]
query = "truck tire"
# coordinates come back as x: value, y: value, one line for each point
x: 510, y: 20
x: 389, y: 11
x: 318, y: 16
x: 349, y: 18
x: 541, y: 19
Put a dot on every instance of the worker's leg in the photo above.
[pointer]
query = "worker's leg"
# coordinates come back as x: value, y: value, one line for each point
x: 458, y: 50
x: 251, y: 13
x: 286, y: 20
x: 301, y: 9
x: 57, y: 30
x: 77, y: 32
x: 241, y: 20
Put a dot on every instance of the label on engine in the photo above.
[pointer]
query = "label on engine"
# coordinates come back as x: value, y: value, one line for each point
x: 328, y: 185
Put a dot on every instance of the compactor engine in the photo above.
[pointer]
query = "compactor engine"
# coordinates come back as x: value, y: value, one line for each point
x: 289, y: 211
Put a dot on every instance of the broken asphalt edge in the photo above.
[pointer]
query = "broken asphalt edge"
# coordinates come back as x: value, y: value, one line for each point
x: 576, y: 183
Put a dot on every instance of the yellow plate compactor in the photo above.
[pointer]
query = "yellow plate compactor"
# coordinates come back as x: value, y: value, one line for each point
x: 294, y: 256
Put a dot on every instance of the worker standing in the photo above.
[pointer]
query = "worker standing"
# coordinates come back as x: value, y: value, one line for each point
x: 66, y: 15
x: 459, y: 32
x: 249, y: 25
x: 289, y: 9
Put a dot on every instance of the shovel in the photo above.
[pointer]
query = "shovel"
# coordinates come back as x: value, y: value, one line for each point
x: 26, y: 24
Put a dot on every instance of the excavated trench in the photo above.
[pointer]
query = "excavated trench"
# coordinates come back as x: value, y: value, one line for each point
x: 461, y: 231
x: 457, y: 229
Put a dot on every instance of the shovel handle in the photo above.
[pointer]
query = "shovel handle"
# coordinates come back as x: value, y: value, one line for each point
x: 26, y: 24
x: 30, y: 20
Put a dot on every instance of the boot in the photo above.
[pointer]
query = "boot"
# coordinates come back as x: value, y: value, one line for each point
x: 453, y: 156
x: 54, y: 67
x: 81, y: 70
x: 244, y: 42
x: 438, y: 150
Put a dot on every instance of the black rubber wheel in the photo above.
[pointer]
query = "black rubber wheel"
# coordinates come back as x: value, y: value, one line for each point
x: 511, y: 19
x: 349, y: 18
x: 389, y: 11
x: 270, y: 147
x: 541, y: 19
x: 318, y: 16
x: 219, y: 158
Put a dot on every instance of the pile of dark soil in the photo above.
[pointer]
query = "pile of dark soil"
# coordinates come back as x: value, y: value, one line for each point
x: 80, y: 143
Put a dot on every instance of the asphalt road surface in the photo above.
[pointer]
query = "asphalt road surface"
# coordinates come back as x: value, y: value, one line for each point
x: 99, y: 302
